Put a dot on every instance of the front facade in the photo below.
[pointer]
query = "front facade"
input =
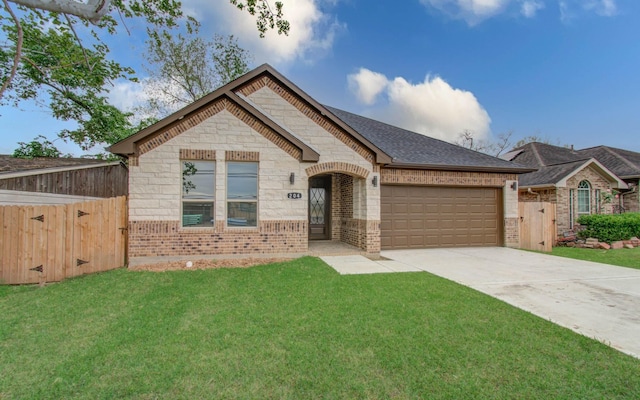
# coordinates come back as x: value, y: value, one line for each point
x: 259, y: 167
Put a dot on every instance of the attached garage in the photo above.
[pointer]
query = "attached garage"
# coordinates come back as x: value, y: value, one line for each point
x: 439, y: 216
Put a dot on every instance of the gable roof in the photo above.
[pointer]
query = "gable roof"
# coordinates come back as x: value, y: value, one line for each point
x: 127, y: 146
x: 624, y: 163
x: 555, y: 165
x: 414, y: 150
x: 390, y: 145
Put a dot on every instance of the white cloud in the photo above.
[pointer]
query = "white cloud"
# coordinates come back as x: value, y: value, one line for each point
x: 127, y: 95
x: 367, y: 85
x: 311, y: 35
x: 432, y: 107
x: 472, y: 11
x: 476, y: 11
x: 529, y: 8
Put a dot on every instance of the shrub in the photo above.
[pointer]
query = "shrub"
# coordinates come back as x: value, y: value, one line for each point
x: 610, y: 228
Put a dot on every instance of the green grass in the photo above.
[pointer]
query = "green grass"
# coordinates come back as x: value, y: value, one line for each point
x: 294, y: 330
x: 621, y: 257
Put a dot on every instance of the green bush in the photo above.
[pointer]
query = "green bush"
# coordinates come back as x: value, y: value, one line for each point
x: 610, y: 228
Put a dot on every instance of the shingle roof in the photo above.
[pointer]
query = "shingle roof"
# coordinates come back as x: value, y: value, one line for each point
x: 624, y: 163
x: 554, y: 163
x: 13, y: 164
x: 411, y: 148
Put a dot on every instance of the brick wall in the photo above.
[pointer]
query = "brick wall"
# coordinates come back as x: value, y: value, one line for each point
x: 631, y: 201
x: 168, y: 238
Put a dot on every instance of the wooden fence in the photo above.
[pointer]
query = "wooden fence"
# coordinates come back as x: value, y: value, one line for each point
x: 537, y: 225
x: 51, y: 242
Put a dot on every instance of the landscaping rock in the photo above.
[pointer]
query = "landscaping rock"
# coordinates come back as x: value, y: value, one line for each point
x: 604, y: 246
x: 617, y: 245
x: 628, y: 246
x: 592, y: 241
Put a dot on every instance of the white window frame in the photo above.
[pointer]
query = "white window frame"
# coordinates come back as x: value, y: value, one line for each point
x: 228, y: 168
x: 188, y: 223
x: 584, y: 193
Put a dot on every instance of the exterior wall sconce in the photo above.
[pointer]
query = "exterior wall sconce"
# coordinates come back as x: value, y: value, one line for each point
x: 514, y: 186
x: 292, y: 178
x: 374, y: 181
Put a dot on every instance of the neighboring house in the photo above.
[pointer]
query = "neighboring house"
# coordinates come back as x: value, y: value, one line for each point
x: 59, y: 180
x: 258, y: 166
x: 575, y: 182
x: 625, y: 164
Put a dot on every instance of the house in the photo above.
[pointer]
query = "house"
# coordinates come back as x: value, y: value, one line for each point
x: 625, y: 164
x: 258, y: 166
x: 577, y: 183
x: 45, y: 180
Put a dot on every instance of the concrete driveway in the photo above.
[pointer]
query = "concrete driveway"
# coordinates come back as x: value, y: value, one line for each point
x: 596, y: 300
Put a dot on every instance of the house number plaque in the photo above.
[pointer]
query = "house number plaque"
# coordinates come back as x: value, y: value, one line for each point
x: 294, y: 195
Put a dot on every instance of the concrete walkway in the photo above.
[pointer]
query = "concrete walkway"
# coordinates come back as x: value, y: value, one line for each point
x: 597, y: 300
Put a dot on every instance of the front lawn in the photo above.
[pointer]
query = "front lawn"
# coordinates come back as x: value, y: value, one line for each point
x: 621, y: 257
x: 294, y: 330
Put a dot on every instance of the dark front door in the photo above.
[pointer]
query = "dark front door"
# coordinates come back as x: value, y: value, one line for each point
x: 320, y: 207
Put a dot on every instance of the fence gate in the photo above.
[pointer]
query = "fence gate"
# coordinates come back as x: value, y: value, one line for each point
x: 49, y: 243
x: 537, y: 225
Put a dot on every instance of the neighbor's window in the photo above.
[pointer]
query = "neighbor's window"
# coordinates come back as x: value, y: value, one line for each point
x: 242, y: 194
x: 584, y: 198
x: 198, y: 188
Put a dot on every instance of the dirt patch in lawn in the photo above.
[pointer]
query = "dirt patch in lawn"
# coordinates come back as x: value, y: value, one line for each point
x: 206, y: 264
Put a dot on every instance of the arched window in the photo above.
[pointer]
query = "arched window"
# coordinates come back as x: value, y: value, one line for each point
x: 584, y: 198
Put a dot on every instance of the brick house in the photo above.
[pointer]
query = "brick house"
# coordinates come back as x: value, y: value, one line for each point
x: 577, y: 183
x: 258, y: 166
x: 625, y: 164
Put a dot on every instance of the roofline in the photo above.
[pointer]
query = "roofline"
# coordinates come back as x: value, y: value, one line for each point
x: 38, y: 171
x: 127, y: 146
x: 465, y: 168
x: 539, y: 186
x: 620, y: 183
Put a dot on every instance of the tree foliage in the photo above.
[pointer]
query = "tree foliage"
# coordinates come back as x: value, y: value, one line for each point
x: 38, y: 147
x: 183, y: 69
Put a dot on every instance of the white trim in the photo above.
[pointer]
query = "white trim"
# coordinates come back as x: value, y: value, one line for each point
x: 603, y: 171
x: 39, y: 171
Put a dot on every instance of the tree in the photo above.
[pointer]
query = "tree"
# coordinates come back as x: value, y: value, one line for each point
x: 184, y: 69
x: 38, y: 147
x: 60, y: 61
x: 494, y: 148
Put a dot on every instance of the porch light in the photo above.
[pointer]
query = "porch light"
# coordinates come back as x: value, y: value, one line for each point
x: 514, y: 186
x: 292, y: 178
x: 374, y: 181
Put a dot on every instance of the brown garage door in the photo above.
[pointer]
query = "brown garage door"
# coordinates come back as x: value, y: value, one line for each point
x: 425, y: 216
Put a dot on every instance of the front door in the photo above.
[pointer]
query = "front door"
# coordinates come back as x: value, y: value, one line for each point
x: 320, y: 207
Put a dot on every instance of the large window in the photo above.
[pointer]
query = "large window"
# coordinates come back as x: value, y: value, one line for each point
x: 198, y: 190
x: 572, y: 217
x: 242, y: 194
x: 584, y: 198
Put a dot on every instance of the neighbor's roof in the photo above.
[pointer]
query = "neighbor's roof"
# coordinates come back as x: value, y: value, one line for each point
x: 409, y: 148
x: 555, y: 165
x: 11, y: 166
x: 624, y: 163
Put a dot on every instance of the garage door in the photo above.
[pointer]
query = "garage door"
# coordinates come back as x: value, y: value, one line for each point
x: 423, y: 216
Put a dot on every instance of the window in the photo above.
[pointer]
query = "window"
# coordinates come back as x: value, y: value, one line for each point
x: 198, y: 188
x: 584, y: 198
x: 242, y: 194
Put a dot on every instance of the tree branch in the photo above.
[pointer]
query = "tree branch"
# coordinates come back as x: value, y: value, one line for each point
x: 92, y: 10
x: 18, y: 56
x: 84, y: 51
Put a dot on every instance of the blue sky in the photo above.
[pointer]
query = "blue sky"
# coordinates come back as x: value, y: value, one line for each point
x: 563, y: 70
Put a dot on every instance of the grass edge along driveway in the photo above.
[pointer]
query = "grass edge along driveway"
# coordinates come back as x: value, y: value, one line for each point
x: 289, y: 331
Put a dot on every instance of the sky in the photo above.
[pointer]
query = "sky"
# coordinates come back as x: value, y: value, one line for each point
x: 565, y: 71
